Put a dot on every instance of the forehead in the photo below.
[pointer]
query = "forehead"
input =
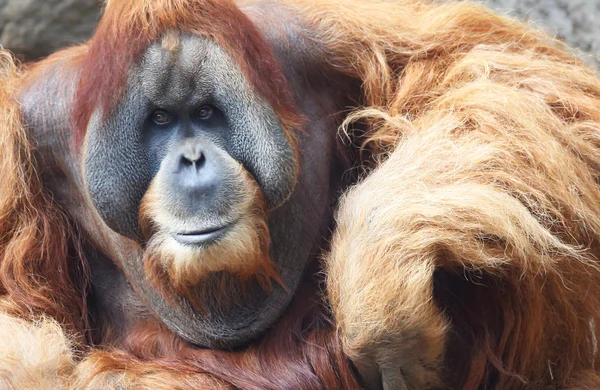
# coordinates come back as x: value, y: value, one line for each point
x: 181, y: 67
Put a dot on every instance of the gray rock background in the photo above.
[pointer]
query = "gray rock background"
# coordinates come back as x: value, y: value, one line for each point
x: 577, y: 21
x: 36, y: 28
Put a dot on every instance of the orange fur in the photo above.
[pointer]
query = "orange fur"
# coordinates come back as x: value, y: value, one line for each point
x: 36, y: 270
x: 34, y: 355
x: 120, y: 371
x: 488, y: 131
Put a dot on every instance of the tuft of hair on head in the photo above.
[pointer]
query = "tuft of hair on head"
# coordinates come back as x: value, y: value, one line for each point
x: 243, y: 253
x: 128, y: 27
x: 171, y: 41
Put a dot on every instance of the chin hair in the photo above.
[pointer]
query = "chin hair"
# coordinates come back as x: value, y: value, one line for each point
x: 243, y: 252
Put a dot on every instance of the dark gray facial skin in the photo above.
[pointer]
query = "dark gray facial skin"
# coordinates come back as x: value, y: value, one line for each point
x: 130, y: 147
x: 105, y: 184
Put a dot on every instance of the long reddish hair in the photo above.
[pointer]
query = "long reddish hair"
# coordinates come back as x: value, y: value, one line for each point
x: 301, y: 352
x: 42, y: 267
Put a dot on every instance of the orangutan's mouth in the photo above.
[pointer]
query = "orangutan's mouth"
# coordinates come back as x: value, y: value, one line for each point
x: 203, y: 237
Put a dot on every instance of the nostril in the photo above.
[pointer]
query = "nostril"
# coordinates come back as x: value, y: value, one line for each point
x: 186, y: 162
x: 196, y: 159
x: 200, y: 161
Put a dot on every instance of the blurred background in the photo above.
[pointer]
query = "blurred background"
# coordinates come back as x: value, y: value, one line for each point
x: 35, y: 28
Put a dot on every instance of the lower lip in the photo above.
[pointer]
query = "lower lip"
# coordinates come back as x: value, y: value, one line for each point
x: 201, y: 238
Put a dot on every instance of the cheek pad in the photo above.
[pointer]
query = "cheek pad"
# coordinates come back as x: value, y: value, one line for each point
x: 116, y: 169
x: 256, y: 139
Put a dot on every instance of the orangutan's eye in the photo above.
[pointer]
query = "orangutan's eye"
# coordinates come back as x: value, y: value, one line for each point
x: 161, y: 117
x: 204, y: 112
